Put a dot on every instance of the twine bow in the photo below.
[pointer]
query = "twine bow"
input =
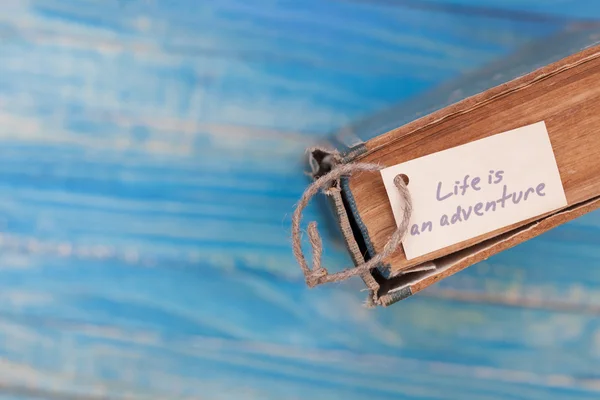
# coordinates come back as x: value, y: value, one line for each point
x: 318, y: 274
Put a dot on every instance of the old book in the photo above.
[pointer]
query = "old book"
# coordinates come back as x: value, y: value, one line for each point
x: 564, y: 94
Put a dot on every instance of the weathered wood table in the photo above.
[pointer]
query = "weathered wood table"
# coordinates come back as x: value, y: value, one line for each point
x: 150, y: 161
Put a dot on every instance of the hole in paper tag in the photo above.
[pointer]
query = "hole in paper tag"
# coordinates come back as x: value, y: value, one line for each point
x: 404, y: 178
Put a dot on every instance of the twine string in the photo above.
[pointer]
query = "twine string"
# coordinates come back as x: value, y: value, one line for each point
x: 318, y: 275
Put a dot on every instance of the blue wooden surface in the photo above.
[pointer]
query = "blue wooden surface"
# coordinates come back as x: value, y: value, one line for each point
x: 150, y: 160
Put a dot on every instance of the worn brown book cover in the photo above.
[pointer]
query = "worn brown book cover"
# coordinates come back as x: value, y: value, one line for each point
x: 565, y: 94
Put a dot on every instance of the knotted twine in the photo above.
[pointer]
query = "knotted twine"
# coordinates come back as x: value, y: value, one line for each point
x: 318, y: 274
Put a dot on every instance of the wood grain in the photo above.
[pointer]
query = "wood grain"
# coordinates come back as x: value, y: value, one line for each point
x: 566, y: 95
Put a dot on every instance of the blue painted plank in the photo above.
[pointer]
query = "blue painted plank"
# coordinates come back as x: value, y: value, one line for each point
x: 127, y: 323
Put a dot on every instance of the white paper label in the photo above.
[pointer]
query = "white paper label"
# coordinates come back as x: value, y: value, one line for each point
x: 469, y: 190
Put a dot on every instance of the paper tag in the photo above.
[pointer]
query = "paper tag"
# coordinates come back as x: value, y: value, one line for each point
x: 469, y: 190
